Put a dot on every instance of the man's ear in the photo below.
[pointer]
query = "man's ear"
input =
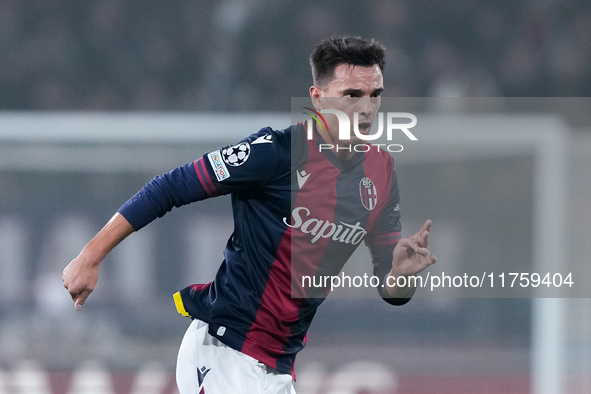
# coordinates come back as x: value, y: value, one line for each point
x: 315, y: 95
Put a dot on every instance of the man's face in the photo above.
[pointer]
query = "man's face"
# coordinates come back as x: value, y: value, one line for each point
x: 353, y: 89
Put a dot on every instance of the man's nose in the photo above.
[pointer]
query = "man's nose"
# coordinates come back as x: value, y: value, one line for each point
x: 366, y: 107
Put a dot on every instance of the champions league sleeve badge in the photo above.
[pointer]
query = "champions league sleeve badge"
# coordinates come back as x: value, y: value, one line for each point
x: 236, y: 155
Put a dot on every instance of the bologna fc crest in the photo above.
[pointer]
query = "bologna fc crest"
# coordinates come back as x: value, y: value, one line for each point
x: 368, y: 193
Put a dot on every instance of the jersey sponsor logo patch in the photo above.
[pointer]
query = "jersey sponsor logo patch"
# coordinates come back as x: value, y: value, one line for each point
x: 219, y: 168
x: 265, y: 139
x: 302, y: 178
x: 368, y: 193
x: 236, y: 155
x: 344, y: 232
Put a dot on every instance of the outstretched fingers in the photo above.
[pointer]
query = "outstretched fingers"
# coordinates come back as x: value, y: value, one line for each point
x: 426, y: 226
x: 423, y: 234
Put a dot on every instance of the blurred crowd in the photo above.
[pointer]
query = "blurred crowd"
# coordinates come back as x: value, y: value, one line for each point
x: 243, y: 55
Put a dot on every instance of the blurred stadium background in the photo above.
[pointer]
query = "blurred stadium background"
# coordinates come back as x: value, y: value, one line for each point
x: 98, y: 97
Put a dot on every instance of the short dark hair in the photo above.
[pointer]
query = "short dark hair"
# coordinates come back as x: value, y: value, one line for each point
x: 339, y: 50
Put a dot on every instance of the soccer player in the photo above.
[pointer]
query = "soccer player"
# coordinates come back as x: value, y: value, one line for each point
x: 298, y: 210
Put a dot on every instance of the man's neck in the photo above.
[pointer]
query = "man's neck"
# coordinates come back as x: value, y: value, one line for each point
x: 341, y: 149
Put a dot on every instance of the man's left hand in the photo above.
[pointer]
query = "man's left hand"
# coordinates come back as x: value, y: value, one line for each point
x: 411, y: 255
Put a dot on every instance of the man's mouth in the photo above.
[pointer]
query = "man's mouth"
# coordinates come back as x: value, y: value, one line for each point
x: 364, y: 127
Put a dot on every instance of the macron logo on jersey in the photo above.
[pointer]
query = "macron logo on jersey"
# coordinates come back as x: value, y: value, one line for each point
x: 302, y: 178
x: 219, y: 168
x: 265, y: 139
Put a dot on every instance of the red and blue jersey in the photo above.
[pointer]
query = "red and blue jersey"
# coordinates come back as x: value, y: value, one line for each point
x: 298, y: 211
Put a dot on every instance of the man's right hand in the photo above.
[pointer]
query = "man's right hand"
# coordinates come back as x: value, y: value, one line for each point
x: 80, y: 277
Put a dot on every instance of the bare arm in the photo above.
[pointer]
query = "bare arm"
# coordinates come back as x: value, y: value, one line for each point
x: 81, y: 275
x: 176, y: 188
x: 410, y: 257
